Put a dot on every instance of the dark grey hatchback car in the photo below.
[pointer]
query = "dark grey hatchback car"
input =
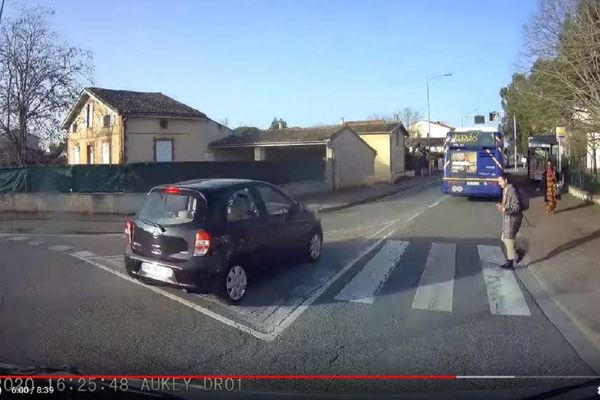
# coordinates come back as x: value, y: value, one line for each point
x: 216, y: 233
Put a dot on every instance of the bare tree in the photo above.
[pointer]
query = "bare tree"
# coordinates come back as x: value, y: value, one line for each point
x: 564, y: 37
x: 379, y: 117
x: 40, y: 78
x: 409, y: 118
x: 544, y: 31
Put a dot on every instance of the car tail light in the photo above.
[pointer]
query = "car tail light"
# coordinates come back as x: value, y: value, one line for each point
x: 202, y: 244
x: 129, y: 231
x: 172, y: 190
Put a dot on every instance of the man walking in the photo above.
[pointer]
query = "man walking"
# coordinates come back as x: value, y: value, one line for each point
x: 512, y: 216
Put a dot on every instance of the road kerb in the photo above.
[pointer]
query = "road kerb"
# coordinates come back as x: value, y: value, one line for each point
x: 378, y: 197
x: 573, y: 332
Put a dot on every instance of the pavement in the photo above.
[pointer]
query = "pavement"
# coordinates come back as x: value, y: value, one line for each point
x: 407, y: 285
x: 564, y: 257
x: 74, y: 223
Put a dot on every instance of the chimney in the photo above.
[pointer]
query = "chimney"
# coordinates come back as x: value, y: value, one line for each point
x: 342, y: 121
x: 280, y: 126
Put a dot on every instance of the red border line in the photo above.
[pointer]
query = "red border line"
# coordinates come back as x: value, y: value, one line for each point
x: 245, y: 377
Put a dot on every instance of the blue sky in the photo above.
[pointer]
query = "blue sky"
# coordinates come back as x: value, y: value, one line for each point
x: 307, y: 61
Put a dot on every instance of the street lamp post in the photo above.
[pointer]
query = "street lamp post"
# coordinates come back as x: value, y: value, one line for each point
x: 515, y: 139
x: 429, y: 118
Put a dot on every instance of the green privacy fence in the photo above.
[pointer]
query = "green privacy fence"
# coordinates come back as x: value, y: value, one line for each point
x: 585, y: 180
x: 140, y: 177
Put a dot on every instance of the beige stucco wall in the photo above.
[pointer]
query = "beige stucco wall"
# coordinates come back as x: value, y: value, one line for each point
x: 397, y: 154
x: 354, y: 160
x: 191, y: 138
x: 381, y: 144
x: 95, y: 135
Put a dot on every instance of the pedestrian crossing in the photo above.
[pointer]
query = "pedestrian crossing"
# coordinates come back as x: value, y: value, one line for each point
x: 366, y: 284
x: 435, y: 291
x: 436, y: 288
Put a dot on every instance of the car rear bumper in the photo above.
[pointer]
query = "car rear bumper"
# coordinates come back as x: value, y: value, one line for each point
x: 196, y: 273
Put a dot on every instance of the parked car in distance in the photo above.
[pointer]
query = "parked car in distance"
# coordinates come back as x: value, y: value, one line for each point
x: 217, y: 232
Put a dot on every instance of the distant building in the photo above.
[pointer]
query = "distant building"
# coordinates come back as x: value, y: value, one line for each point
x: 8, y: 152
x: 347, y: 158
x: 439, y: 129
x: 388, y: 139
x: 593, y: 151
x: 108, y: 126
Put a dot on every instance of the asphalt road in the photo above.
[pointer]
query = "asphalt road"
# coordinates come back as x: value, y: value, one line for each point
x: 408, y: 284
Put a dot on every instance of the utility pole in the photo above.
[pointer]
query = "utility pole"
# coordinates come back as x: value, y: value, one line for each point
x: 429, y: 119
x: 515, y: 139
x: 428, y: 129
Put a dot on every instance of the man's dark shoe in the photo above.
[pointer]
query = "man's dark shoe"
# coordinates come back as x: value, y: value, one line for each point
x: 520, y: 254
x: 508, y: 265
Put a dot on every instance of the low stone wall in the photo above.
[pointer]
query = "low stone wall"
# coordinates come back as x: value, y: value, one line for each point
x: 584, y: 195
x: 110, y: 203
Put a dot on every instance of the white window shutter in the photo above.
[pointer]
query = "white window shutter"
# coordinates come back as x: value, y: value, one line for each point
x: 91, y: 115
x: 76, y: 154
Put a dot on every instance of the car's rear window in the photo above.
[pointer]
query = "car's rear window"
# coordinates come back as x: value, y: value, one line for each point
x: 172, y: 209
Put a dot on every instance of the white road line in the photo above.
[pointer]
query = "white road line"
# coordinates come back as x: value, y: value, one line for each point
x: 414, y: 216
x: 59, y: 247
x: 82, y: 254
x: 365, y: 285
x: 434, y: 204
x: 18, y: 238
x: 259, y: 335
x: 387, y: 231
x: 436, y: 286
x: 294, y: 315
x: 503, y: 291
x: 34, y: 243
x: 5, y: 235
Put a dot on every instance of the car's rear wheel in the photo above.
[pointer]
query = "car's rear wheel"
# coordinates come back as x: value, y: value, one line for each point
x: 234, y: 283
x: 315, y: 246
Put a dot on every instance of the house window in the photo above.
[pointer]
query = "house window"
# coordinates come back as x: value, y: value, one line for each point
x: 74, y: 127
x: 164, y: 124
x: 89, y: 115
x: 76, y: 155
x: 105, y: 152
x: 108, y: 120
x: 397, y: 138
x: 163, y: 150
x: 90, y: 154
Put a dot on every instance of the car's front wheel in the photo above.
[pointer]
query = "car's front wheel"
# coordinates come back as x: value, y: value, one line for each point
x: 315, y: 246
x: 234, y: 283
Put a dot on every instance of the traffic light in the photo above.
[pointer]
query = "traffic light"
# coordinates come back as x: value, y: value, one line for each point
x: 480, y: 119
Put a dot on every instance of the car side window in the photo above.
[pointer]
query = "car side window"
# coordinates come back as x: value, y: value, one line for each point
x: 275, y: 202
x: 241, y: 206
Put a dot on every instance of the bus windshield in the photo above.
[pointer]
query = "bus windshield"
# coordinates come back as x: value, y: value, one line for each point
x: 472, y: 138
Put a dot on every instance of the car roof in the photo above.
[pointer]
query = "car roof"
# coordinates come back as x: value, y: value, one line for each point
x: 211, y: 184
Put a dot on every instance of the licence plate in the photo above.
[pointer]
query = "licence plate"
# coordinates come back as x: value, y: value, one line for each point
x: 156, y: 271
x: 472, y: 183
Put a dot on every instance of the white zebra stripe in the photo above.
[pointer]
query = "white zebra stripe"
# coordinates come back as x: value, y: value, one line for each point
x: 365, y: 285
x: 436, y: 286
x: 504, y: 294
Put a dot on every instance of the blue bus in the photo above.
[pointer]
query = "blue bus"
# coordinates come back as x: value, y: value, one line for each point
x: 473, y: 160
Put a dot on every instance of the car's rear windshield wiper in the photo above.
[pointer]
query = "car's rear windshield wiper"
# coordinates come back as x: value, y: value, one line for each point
x: 153, y: 223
